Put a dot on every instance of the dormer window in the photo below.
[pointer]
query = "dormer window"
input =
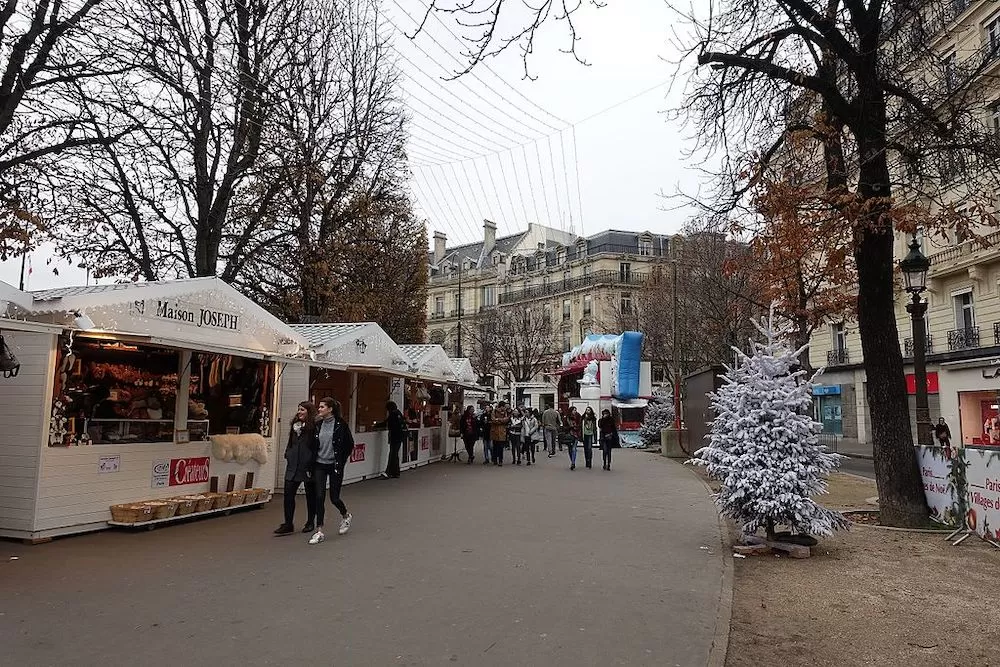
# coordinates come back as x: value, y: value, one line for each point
x: 561, y: 256
x: 581, y: 249
x: 646, y: 245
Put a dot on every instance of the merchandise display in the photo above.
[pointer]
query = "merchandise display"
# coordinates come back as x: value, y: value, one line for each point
x: 189, y: 506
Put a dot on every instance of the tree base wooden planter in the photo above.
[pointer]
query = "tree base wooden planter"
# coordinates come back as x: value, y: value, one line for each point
x: 759, y: 546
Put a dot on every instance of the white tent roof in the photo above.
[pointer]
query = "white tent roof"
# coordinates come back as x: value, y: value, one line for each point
x: 463, y: 369
x: 357, y: 344
x: 108, y: 305
x: 429, y: 361
x: 11, y: 295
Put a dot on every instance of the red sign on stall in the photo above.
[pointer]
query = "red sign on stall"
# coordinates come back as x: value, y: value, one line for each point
x: 188, y: 471
x: 932, y: 383
x: 358, y: 453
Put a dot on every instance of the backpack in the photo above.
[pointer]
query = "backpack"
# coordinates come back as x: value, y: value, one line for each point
x: 9, y: 364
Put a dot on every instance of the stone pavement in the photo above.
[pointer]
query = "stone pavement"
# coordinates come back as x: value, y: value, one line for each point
x: 452, y: 564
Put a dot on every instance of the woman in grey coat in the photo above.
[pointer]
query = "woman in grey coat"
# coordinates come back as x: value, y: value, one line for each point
x: 300, y: 457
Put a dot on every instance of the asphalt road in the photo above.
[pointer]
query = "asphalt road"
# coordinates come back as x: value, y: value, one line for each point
x: 451, y: 564
x: 863, y: 467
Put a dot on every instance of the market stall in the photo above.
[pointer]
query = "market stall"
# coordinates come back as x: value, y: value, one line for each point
x: 426, y: 401
x: 139, y: 392
x: 362, y: 367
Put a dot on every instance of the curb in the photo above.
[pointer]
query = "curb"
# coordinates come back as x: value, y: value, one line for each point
x: 864, y: 457
x: 855, y: 475
x: 723, y: 621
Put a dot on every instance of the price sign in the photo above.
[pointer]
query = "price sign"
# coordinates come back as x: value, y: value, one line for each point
x: 109, y: 463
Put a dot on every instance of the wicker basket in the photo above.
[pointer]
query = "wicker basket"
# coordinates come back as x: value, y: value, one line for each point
x: 204, y: 503
x: 163, y: 509
x: 237, y: 498
x: 132, y: 513
x: 255, y: 495
x: 219, y: 500
x: 185, y: 505
x: 263, y: 495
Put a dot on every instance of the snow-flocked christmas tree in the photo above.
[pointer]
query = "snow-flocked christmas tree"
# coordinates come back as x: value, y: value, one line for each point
x: 764, y: 445
x: 659, y: 415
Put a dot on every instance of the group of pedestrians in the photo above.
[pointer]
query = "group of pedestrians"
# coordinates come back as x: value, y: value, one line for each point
x: 521, y: 430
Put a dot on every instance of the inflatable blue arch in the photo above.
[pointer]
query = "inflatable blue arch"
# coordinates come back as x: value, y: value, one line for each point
x: 625, y: 351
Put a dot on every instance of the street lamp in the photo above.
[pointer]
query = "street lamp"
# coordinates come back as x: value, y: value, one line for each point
x: 914, y: 267
x: 457, y: 268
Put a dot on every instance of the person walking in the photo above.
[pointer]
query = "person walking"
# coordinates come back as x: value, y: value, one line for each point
x: 396, y: 424
x: 942, y: 433
x: 499, y: 425
x: 515, y: 435
x: 300, y: 457
x: 529, y: 431
x: 469, y: 428
x: 551, y: 421
x: 589, y: 432
x: 485, y: 418
x: 574, y: 425
x: 334, y: 444
x: 609, y: 436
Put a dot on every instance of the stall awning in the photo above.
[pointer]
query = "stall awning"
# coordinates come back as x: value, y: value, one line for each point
x: 629, y: 403
x: 575, y: 366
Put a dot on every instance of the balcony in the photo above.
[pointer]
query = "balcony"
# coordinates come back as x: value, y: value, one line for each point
x: 456, y: 312
x: 838, y: 357
x: 908, y: 347
x: 437, y: 315
x: 963, y: 339
x: 561, y: 286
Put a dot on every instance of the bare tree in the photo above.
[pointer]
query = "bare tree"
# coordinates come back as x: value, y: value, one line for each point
x: 526, y: 342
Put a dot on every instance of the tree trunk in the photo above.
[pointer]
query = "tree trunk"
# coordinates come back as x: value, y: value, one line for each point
x: 897, y: 475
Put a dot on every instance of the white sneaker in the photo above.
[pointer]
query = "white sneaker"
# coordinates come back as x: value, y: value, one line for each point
x: 345, y: 524
x: 317, y: 537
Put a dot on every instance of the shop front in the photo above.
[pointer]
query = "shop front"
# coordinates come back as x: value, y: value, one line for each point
x: 360, y: 366
x: 149, y: 391
x: 427, y: 403
x: 969, y: 399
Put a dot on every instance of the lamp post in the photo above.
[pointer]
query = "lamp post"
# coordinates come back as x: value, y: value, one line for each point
x: 914, y: 268
x: 458, y: 348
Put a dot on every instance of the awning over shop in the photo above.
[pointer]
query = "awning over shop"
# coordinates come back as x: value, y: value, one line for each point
x: 633, y: 403
x: 358, y: 346
x: 429, y: 362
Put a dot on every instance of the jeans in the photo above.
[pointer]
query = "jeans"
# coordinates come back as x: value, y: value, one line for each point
x: 572, y: 451
x: 498, y: 446
x: 515, y: 447
x: 606, y: 451
x: 528, y: 449
x: 487, y: 450
x: 291, y: 488
x: 551, y: 437
x: 333, y: 473
x: 588, y: 449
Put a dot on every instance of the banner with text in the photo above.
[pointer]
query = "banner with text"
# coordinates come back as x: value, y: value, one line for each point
x: 983, y: 476
x: 934, y: 470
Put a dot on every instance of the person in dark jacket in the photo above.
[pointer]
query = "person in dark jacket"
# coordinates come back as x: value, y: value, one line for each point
x: 485, y: 421
x: 300, y: 457
x: 396, y: 424
x: 334, y: 444
x: 609, y: 436
x: 469, y: 428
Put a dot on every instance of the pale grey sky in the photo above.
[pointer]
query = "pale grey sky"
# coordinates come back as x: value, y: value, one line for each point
x: 481, y: 150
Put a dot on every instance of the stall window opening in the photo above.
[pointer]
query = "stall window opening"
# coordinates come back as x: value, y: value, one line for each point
x: 233, y: 393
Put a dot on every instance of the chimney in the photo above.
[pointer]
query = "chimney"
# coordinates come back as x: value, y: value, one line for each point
x: 489, y: 236
x: 440, y: 240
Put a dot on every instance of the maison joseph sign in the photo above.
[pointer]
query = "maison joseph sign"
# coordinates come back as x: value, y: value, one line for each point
x: 187, y: 313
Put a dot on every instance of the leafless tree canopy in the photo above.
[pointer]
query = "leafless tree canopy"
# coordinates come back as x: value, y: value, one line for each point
x: 520, y: 342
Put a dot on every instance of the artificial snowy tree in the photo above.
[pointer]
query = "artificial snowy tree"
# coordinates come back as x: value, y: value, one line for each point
x: 659, y: 415
x: 763, y: 444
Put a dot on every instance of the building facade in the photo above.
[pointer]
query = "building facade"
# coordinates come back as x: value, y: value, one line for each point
x: 963, y: 295
x: 579, y: 283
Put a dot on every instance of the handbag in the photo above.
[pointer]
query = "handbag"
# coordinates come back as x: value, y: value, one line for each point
x: 9, y: 364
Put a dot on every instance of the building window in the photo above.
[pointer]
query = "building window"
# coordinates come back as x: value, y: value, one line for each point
x: 626, y: 302
x: 567, y: 342
x: 839, y: 338
x: 625, y: 272
x: 561, y: 256
x: 965, y: 316
x: 581, y: 250
x: 586, y: 304
x: 951, y: 71
x: 439, y: 306
x: 993, y: 36
x: 567, y: 276
x: 489, y: 295
x: 995, y: 119
x: 547, y: 312
x: 458, y: 303
x: 646, y: 247
x: 587, y: 269
x: 566, y: 310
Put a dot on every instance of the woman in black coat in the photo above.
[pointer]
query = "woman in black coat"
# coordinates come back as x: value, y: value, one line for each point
x: 300, y: 455
x: 609, y: 436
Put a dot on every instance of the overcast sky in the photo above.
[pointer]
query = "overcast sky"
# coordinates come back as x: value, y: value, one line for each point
x: 587, y: 148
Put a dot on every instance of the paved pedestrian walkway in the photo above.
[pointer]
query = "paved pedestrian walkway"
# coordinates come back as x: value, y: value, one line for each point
x: 452, y: 564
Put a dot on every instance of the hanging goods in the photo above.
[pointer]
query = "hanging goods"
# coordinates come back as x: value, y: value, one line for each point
x: 9, y: 364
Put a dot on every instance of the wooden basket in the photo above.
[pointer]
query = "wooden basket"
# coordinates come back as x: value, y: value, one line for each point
x: 185, y: 505
x: 219, y: 500
x: 237, y: 498
x: 255, y: 495
x: 204, y: 503
x: 263, y: 495
x: 131, y: 513
x: 163, y: 509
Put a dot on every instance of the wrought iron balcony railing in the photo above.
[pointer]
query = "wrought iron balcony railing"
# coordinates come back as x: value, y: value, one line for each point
x: 963, y: 339
x: 908, y: 346
x: 837, y: 357
x: 560, y: 286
